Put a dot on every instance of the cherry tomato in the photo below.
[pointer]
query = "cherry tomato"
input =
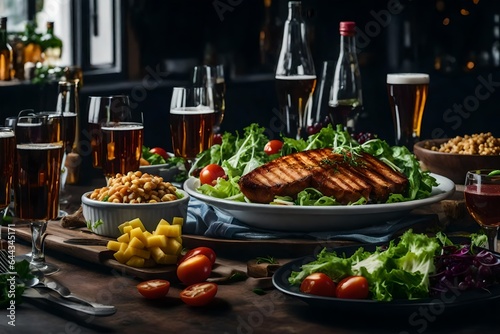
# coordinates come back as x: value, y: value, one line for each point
x: 199, y: 294
x: 353, y: 287
x: 159, y: 151
x: 273, y: 146
x: 152, y: 289
x: 196, y: 269
x: 210, y: 173
x: 208, y: 252
x: 318, y: 284
x: 217, y: 139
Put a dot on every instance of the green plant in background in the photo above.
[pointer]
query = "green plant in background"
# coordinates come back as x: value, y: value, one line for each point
x: 45, y: 74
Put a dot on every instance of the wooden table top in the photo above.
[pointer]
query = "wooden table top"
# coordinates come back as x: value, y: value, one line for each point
x: 238, y: 308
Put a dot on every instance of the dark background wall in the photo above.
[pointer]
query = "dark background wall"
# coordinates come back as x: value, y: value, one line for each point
x: 170, y: 36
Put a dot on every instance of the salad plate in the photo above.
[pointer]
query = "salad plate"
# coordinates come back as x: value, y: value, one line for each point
x: 318, y: 218
x: 450, y: 300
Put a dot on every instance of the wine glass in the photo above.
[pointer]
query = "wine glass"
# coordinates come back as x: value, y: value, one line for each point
x: 39, y: 152
x: 192, y: 117
x: 482, y: 198
x: 295, y: 76
x: 213, y: 76
x: 7, y: 151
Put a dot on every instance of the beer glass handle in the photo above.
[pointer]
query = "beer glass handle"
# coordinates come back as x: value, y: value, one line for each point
x: 26, y: 112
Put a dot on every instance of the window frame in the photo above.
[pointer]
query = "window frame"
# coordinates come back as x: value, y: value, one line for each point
x: 81, y: 18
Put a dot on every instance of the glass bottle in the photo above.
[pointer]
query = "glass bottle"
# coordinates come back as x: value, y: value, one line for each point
x: 32, y: 46
x: 51, y: 46
x: 346, y: 98
x: 295, y: 75
x: 6, y: 55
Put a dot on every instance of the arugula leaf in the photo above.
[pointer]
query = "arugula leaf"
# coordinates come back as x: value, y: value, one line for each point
x: 23, y: 272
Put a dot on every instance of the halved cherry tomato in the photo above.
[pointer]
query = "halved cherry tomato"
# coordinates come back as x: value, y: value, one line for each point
x: 153, y: 289
x: 217, y: 139
x: 318, y: 284
x: 273, y: 146
x: 196, y: 269
x: 199, y: 294
x: 353, y: 287
x: 210, y: 173
x: 160, y: 151
x: 208, y: 252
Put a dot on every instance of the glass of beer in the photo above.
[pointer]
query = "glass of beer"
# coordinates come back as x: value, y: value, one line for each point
x: 105, y: 109
x: 7, y: 150
x: 407, y: 97
x: 192, y: 118
x: 39, y: 152
x: 213, y: 76
x: 121, y: 147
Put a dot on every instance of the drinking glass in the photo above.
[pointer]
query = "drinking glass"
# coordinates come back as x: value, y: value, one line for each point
x: 482, y: 198
x: 192, y: 117
x: 295, y: 76
x: 7, y: 151
x: 108, y: 110
x: 213, y: 76
x: 321, y: 96
x: 407, y: 97
x: 68, y: 106
x: 39, y: 152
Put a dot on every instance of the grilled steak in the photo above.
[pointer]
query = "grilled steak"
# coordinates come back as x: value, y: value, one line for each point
x: 347, y: 180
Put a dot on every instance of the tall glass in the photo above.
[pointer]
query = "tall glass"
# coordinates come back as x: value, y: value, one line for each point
x: 213, y: 76
x: 105, y: 109
x: 39, y: 152
x: 121, y: 147
x: 192, y: 118
x: 7, y: 151
x: 482, y: 198
x: 295, y: 75
x: 407, y: 97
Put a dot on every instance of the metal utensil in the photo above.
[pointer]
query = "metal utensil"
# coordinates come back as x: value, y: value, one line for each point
x: 64, y: 292
x: 45, y: 294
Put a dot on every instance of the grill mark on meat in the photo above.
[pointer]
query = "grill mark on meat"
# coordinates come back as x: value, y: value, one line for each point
x: 326, y: 171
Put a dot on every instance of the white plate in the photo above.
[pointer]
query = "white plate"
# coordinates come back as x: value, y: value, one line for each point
x: 319, y: 218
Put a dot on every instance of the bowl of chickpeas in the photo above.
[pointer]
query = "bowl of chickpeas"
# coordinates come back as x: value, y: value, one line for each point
x: 129, y: 196
x: 453, y: 157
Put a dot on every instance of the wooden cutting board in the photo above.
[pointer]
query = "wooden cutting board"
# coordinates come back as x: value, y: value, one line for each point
x: 98, y: 254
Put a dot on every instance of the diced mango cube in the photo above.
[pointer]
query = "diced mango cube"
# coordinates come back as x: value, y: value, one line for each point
x: 173, y: 247
x: 136, y: 243
x: 125, y: 237
x: 123, y: 247
x: 137, y: 232
x: 177, y: 221
x: 137, y: 223
x: 121, y: 257
x: 156, y: 241
x: 113, y: 245
x: 163, y: 222
x: 169, y: 230
x: 167, y: 259
x: 147, y: 234
x: 127, y: 229
x: 157, y: 254
x: 136, y: 262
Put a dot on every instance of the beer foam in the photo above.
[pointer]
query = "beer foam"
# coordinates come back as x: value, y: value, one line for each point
x: 123, y: 127
x: 295, y: 77
x: 39, y: 146
x: 200, y: 110
x: 407, y: 78
x: 6, y: 134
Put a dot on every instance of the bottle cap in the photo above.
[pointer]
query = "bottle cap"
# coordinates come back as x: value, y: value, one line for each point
x: 347, y: 28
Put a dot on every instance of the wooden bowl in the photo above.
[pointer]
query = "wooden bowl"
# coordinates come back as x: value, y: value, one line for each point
x: 451, y: 165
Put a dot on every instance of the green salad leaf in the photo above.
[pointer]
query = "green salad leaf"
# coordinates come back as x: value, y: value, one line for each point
x: 400, y: 271
x: 240, y: 154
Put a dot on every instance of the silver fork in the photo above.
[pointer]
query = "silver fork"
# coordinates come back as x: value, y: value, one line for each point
x: 64, y: 292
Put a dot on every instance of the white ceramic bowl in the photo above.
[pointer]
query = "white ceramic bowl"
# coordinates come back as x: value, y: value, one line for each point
x: 114, y: 214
